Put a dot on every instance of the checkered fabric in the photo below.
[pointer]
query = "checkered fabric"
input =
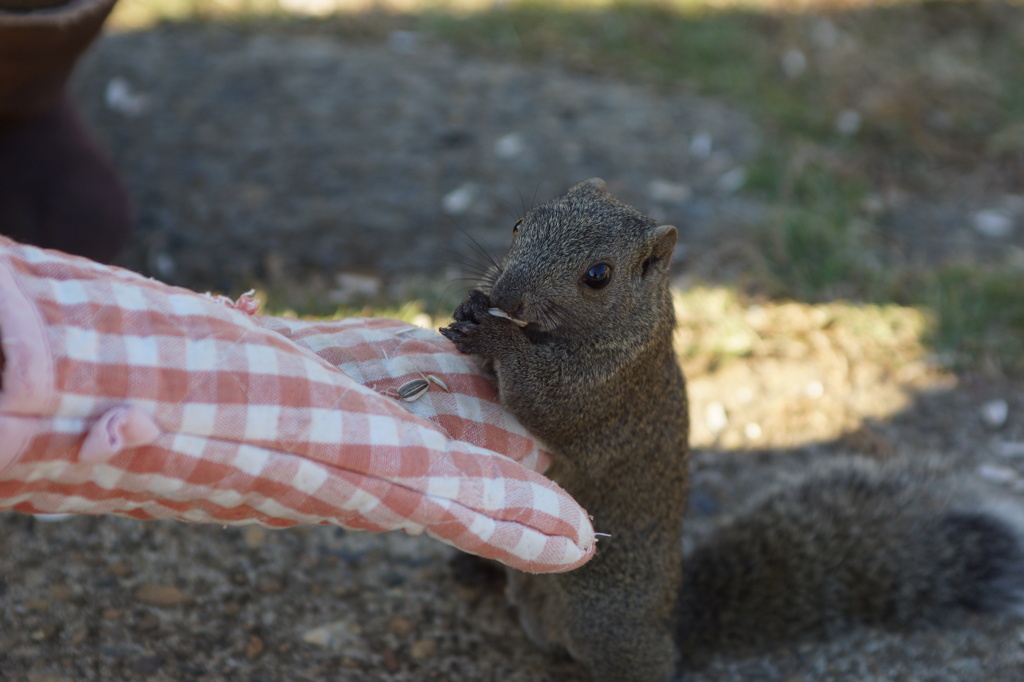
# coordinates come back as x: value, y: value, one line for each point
x: 122, y: 395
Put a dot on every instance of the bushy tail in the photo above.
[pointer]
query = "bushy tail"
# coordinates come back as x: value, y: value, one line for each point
x: 853, y: 542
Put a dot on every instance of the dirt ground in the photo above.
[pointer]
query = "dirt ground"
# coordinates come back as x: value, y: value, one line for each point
x: 281, y: 159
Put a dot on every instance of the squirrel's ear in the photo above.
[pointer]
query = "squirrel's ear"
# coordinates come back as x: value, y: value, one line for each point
x: 661, y: 242
x: 592, y: 185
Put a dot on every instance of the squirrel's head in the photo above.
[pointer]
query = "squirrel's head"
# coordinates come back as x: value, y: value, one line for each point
x: 580, y: 258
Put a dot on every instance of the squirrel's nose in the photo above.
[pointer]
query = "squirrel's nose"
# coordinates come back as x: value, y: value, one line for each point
x: 513, y: 306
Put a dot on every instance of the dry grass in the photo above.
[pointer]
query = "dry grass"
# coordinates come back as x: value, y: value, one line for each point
x: 786, y: 374
x: 715, y: 326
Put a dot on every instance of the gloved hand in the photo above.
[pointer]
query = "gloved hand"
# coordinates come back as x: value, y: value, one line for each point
x: 122, y: 395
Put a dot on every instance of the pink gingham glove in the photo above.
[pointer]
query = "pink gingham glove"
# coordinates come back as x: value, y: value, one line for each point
x: 123, y: 395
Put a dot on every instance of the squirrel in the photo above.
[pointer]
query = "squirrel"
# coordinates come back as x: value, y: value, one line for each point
x: 576, y: 324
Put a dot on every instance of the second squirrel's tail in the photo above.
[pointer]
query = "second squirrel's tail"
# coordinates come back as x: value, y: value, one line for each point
x: 853, y: 542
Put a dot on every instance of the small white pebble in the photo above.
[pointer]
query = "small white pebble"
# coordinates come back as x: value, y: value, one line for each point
x: 814, y: 390
x: 994, y: 413
x: 997, y: 474
x: 318, y: 636
x: 1009, y: 448
x: 509, y: 146
x: 701, y: 146
x: 994, y: 223
x: 120, y: 97
x: 54, y: 518
x: 165, y: 265
x: 732, y: 180
x: 459, y: 200
x: 716, y: 418
x: 848, y: 122
x: 794, y: 63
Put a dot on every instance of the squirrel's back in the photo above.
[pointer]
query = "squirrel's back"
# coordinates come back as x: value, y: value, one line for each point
x: 852, y: 542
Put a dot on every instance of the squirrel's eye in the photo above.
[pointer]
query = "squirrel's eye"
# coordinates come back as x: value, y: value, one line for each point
x: 515, y: 228
x: 598, y: 276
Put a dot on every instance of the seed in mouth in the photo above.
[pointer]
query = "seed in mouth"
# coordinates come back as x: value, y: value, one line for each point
x: 498, y: 312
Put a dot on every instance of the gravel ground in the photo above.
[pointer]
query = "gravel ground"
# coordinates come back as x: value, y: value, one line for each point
x: 306, y: 156
x: 265, y: 157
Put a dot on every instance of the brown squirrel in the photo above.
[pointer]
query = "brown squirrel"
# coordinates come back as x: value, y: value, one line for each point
x: 576, y: 324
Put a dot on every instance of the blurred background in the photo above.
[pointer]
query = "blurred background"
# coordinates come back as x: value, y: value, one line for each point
x: 848, y: 181
x: 847, y: 177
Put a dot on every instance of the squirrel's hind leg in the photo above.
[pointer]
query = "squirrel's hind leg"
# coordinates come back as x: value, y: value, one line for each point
x: 615, y: 640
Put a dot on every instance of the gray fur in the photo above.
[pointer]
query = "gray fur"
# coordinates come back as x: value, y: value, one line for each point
x: 853, y: 542
x: 595, y: 377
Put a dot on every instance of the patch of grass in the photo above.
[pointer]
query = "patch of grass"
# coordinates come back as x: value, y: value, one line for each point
x: 413, y: 301
x: 816, y: 256
x: 416, y: 311
x: 690, y: 46
x: 312, y: 307
x: 816, y: 243
x: 978, y: 316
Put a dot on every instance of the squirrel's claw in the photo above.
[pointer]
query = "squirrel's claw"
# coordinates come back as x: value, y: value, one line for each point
x: 471, y: 331
x: 474, y: 308
x: 465, y: 335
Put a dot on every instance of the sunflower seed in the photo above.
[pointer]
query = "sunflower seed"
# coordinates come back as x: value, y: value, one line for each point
x: 498, y: 312
x: 413, y: 390
x: 437, y: 380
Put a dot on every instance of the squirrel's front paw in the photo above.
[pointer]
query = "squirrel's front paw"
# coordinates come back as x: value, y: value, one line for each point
x: 474, y: 308
x: 475, y: 331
